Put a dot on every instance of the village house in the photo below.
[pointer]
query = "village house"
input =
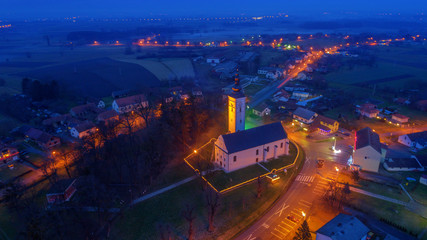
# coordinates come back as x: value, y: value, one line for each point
x: 399, y: 118
x: 98, y: 102
x: 402, y: 101
x: 368, y: 110
x: 82, y: 130
x: 271, y: 72
x: 342, y: 227
x: 43, y: 139
x: 61, y: 191
x: 131, y: 103
x: 197, y: 92
x: 368, y: 150
x: 281, y: 96
x: 416, y: 140
x: 261, y: 110
x: 324, y: 125
x: 107, y: 117
x: 301, y: 96
x: 83, y: 111
x: 244, y: 148
x: 8, y: 153
x: 303, y: 115
x: 215, y: 59
x: 403, y: 164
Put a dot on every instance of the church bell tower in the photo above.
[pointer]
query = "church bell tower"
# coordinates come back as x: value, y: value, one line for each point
x: 236, y: 107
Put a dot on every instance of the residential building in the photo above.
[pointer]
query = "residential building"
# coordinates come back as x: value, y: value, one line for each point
x: 368, y: 110
x: 304, y: 115
x: 343, y: 227
x: 82, y: 130
x: 271, y: 72
x: 403, y: 164
x: 215, y: 59
x: 236, y: 107
x: 399, y: 118
x: 416, y: 140
x: 108, y: 116
x: 300, y: 95
x: 8, y: 153
x: 61, y: 191
x: 43, y: 139
x: 368, y: 151
x: 83, y: 111
x: 131, y: 103
x: 324, y: 125
x: 197, y: 92
x: 244, y: 148
x: 261, y: 110
x: 281, y: 96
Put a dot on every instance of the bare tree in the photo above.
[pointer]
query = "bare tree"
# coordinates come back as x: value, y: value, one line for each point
x: 189, y: 217
x: 49, y: 170
x: 259, y: 188
x: 212, y: 203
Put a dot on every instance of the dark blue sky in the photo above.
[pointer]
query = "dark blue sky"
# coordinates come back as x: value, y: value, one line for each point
x: 141, y: 8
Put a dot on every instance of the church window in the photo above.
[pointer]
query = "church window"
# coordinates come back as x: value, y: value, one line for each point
x: 268, y: 149
x: 220, y: 163
x: 240, y: 120
x: 256, y: 159
x: 281, y: 145
x: 240, y: 109
x: 234, y: 158
x: 257, y: 152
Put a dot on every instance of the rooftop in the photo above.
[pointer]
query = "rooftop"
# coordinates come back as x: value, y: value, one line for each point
x: 131, y: 100
x: 304, y: 113
x: 254, y: 137
x: 344, y: 227
x: 366, y: 137
x: 60, y: 186
x: 419, y: 137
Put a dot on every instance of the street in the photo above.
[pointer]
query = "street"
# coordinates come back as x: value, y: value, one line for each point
x: 284, y: 218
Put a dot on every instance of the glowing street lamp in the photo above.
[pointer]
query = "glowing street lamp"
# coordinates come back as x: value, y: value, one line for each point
x: 195, y: 151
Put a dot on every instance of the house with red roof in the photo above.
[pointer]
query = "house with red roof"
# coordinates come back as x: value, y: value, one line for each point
x: 131, y: 103
x: 369, y: 110
x: 43, y: 139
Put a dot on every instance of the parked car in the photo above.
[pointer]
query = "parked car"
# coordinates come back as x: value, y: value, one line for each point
x: 292, y: 218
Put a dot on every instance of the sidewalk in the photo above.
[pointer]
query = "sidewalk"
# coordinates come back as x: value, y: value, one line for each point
x: 160, y: 191
x: 392, y: 200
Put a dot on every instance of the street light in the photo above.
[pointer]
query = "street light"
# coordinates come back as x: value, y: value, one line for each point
x: 303, y: 213
x: 195, y: 151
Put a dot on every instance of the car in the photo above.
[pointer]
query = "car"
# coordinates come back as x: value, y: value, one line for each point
x: 292, y: 218
x: 320, y: 163
x: 273, y: 177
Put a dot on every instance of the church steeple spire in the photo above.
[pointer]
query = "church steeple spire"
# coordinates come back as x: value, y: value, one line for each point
x: 237, y: 87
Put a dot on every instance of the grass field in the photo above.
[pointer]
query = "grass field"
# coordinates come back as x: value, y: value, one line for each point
x: 166, y: 68
x: 237, y: 209
x: 395, y: 67
x: 7, y: 174
x: 390, y: 211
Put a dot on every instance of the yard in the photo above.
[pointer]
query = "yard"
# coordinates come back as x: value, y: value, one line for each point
x: 389, y: 211
x: 8, y: 174
x: 238, y: 208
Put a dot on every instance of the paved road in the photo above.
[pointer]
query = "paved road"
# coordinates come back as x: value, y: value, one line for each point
x: 307, y: 187
x: 270, y: 89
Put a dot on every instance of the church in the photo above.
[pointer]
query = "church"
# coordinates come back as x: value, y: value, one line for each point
x: 240, y: 148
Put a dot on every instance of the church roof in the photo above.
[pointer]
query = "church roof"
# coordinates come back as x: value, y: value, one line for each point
x: 242, y: 140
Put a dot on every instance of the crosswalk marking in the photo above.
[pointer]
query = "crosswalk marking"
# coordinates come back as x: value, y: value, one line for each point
x: 291, y: 222
x: 287, y: 225
x: 283, y: 228
x: 276, y: 235
x: 304, y: 178
x: 304, y: 201
x: 280, y: 232
x: 304, y: 204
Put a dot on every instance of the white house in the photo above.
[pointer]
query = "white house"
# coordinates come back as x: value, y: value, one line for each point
x: 304, y: 115
x: 271, y: 72
x: 416, y: 140
x: 261, y: 110
x: 215, y: 59
x: 128, y: 104
x: 300, y: 95
x: 399, y: 118
x: 343, y: 227
x: 368, y: 152
x: 244, y: 148
x: 83, y: 130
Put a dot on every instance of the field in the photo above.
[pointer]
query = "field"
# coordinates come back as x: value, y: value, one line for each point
x: 395, y: 67
x: 166, y: 68
x: 238, y: 208
x: 390, y: 211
